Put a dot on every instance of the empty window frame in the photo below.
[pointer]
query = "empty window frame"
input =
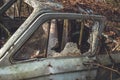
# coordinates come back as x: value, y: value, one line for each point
x: 57, y: 38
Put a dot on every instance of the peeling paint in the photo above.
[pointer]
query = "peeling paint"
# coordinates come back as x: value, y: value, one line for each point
x: 66, y: 68
x: 43, y: 68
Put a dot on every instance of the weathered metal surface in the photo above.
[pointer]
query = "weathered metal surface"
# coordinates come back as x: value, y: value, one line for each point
x: 81, y: 75
x: 44, y: 4
x: 94, y: 37
x: 46, y: 67
x: 29, y: 26
x: 20, y: 31
x: 54, y: 69
x: 6, y: 6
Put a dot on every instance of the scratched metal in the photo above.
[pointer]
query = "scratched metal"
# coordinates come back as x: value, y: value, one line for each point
x: 83, y: 75
x: 49, y: 68
x: 22, y: 34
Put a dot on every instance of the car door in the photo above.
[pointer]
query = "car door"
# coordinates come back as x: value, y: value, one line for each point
x: 29, y: 57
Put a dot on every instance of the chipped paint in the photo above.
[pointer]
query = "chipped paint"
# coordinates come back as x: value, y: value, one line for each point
x: 46, y: 68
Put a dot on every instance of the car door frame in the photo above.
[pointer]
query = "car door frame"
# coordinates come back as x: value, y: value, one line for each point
x: 9, y: 64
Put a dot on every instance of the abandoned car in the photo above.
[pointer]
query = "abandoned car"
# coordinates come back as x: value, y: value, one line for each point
x: 52, y: 45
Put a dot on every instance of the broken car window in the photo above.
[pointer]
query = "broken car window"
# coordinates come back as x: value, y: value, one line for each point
x: 57, y: 38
